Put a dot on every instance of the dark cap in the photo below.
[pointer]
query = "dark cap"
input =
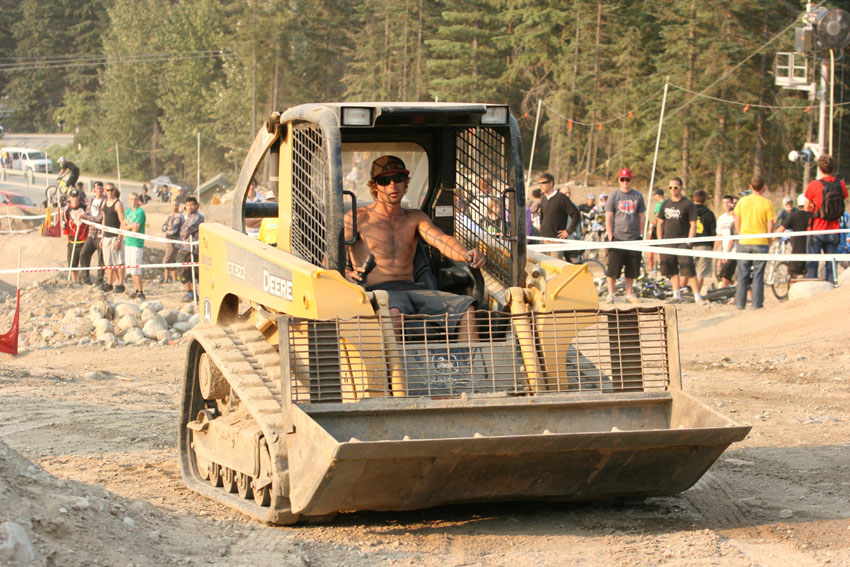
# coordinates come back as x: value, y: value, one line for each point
x: 74, y: 193
x: 387, y: 165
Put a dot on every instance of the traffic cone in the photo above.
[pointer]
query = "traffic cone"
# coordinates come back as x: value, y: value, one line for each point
x: 9, y: 340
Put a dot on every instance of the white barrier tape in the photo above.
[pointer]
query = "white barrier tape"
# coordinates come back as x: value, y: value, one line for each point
x: 579, y: 244
x: 131, y: 234
x: 657, y: 247
x: 39, y: 218
x: 79, y: 269
x: 21, y: 231
x: 641, y: 246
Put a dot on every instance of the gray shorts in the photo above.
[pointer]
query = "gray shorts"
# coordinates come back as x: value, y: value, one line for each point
x: 703, y: 266
x: 412, y: 298
x: 111, y: 256
x: 170, y: 254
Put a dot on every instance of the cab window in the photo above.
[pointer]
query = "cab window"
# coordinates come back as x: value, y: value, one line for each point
x: 357, y: 160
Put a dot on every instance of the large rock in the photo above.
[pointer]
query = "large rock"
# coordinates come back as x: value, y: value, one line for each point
x: 148, y: 315
x: 170, y: 315
x: 72, y: 313
x: 108, y: 339
x: 152, y: 305
x: 76, y: 327
x: 188, y: 308
x: 183, y: 326
x: 122, y: 309
x: 102, y: 326
x: 127, y: 322
x: 134, y: 336
x: 153, y: 327
x: 802, y: 290
x: 100, y: 310
x: 15, y: 545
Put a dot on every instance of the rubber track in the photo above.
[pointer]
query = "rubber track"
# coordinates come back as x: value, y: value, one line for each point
x: 252, y: 368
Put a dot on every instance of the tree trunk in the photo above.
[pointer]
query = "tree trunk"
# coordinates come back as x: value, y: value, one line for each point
x: 591, y: 155
x: 718, y: 173
x: 404, y: 54
x: 419, y: 53
x: 573, y: 96
x: 689, y: 83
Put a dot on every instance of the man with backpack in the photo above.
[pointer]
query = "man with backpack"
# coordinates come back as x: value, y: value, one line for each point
x: 825, y: 199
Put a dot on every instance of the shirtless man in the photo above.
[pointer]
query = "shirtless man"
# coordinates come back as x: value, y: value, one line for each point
x: 388, y: 233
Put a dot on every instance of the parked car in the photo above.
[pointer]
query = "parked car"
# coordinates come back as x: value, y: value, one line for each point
x: 164, y: 189
x: 16, y: 200
x: 28, y: 159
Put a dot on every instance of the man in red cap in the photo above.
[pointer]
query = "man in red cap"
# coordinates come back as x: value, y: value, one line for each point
x: 383, y: 254
x: 624, y: 216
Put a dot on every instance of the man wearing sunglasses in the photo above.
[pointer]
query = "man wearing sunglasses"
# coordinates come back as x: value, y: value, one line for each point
x: 625, y: 212
x: 677, y: 218
x: 382, y: 256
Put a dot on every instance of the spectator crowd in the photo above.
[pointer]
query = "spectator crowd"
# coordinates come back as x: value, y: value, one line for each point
x: 551, y: 214
x: 120, y: 254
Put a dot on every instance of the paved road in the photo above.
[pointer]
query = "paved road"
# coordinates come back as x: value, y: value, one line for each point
x: 37, y: 141
x: 19, y: 183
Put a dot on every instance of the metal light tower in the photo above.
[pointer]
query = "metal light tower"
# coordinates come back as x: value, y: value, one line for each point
x: 824, y: 29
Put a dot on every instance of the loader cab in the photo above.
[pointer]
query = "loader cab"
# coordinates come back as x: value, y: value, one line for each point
x: 466, y: 174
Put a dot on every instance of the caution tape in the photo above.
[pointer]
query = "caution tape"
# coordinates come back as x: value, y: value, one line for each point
x: 139, y: 235
x: 658, y: 247
x: 20, y: 231
x: 39, y: 218
x: 83, y: 269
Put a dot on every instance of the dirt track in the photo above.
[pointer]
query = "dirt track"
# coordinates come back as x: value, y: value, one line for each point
x: 780, y: 498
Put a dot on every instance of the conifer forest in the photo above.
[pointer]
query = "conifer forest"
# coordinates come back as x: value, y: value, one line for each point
x: 153, y: 75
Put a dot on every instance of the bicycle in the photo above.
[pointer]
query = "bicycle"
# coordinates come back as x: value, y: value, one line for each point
x: 594, y: 231
x: 777, y: 274
x: 56, y: 193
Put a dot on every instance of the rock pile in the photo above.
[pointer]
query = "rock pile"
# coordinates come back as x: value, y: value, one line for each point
x: 55, y: 314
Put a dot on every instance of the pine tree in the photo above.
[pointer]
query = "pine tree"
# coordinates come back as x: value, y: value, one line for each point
x: 188, y: 86
x: 36, y: 92
x: 127, y: 101
x: 465, y: 63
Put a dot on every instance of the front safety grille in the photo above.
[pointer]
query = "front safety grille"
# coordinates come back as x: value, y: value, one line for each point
x: 309, y: 195
x: 524, y: 354
x: 482, y: 176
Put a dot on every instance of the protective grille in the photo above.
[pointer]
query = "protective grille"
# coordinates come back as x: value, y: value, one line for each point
x: 535, y: 353
x: 482, y: 176
x: 309, y: 195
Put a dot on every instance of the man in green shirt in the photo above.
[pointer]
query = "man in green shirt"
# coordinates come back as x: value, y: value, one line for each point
x: 134, y: 221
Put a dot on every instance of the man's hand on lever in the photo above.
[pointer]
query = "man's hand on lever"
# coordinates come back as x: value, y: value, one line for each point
x: 358, y: 274
x: 475, y: 258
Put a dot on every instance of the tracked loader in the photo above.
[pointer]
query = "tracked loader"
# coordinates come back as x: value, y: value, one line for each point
x: 302, y: 400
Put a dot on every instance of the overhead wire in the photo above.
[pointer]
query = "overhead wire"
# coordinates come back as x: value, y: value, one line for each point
x: 724, y: 76
x: 37, y: 64
x: 609, y: 120
x: 749, y: 104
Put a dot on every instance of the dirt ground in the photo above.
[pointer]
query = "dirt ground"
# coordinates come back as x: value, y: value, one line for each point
x: 88, y: 463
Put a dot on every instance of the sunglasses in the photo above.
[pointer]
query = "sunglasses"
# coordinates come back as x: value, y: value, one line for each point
x: 544, y: 182
x: 673, y: 187
x: 625, y: 179
x: 385, y: 180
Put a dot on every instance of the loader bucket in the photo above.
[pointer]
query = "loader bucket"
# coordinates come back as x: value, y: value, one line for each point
x: 570, y: 447
x: 587, y: 414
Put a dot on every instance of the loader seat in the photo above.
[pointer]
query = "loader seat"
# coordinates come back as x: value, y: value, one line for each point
x: 449, y: 276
